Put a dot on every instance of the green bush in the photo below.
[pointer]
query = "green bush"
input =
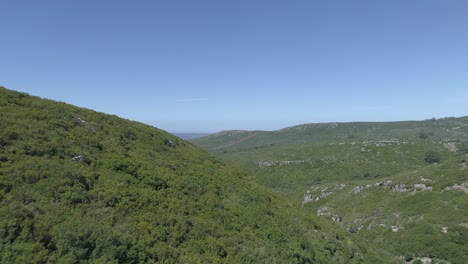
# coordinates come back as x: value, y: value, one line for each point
x: 432, y: 157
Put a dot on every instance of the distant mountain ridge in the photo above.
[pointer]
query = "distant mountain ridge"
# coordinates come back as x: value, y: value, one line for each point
x: 443, y: 128
x: 188, y: 136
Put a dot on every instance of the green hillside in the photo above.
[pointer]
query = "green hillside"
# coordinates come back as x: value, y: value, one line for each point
x: 77, y: 186
x: 446, y: 129
x: 400, y: 185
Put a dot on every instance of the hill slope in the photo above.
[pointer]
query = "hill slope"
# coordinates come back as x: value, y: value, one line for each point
x: 400, y: 185
x: 78, y: 186
x: 435, y: 129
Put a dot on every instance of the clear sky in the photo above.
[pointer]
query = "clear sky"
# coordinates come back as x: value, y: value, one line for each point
x: 205, y: 66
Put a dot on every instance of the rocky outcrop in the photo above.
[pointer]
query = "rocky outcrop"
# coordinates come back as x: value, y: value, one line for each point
x: 170, y: 143
x: 421, y: 187
x: 329, y: 212
x: 358, y: 189
x: 462, y: 187
x: 314, y: 194
x: 399, y: 187
x: 451, y: 146
x: 268, y: 163
x: 86, y: 124
x: 78, y: 158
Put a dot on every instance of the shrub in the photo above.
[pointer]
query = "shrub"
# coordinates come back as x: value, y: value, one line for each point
x: 432, y: 157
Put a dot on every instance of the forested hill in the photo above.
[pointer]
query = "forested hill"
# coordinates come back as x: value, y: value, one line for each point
x: 77, y: 186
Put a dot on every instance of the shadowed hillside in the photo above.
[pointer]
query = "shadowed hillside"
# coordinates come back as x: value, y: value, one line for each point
x: 77, y: 186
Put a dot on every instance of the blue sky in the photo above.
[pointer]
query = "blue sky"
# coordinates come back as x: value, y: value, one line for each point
x: 206, y: 66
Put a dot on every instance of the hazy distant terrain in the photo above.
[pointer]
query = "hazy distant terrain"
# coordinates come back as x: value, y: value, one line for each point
x: 401, y: 185
x: 189, y: 136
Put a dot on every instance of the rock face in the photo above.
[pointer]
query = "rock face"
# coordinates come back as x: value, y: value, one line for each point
x: 314, y: 194
x: 170, y: 143
x: 399, y: 187
x: 421, y: 187
x: 268, y: 163
x: 78, y: 158
x: 358, y: 189
x: 462, y: 187
x: 330, y: 212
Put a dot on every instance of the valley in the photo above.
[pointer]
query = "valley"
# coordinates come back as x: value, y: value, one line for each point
x: 398, y: 185
x: 78, y: 185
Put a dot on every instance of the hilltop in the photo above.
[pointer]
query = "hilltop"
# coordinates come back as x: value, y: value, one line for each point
x: 400, y: 185
x: 445, y: 129
x: 77, y: 186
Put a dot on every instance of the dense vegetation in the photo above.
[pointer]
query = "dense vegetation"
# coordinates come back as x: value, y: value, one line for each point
x: 401, y: 186
x: 77, y: 186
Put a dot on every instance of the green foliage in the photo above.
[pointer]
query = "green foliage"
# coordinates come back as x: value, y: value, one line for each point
x: 432, y: 157
x: 78, y: 186
x: 423, y: 135
x: 463, y: 148
x: 392, y: 185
